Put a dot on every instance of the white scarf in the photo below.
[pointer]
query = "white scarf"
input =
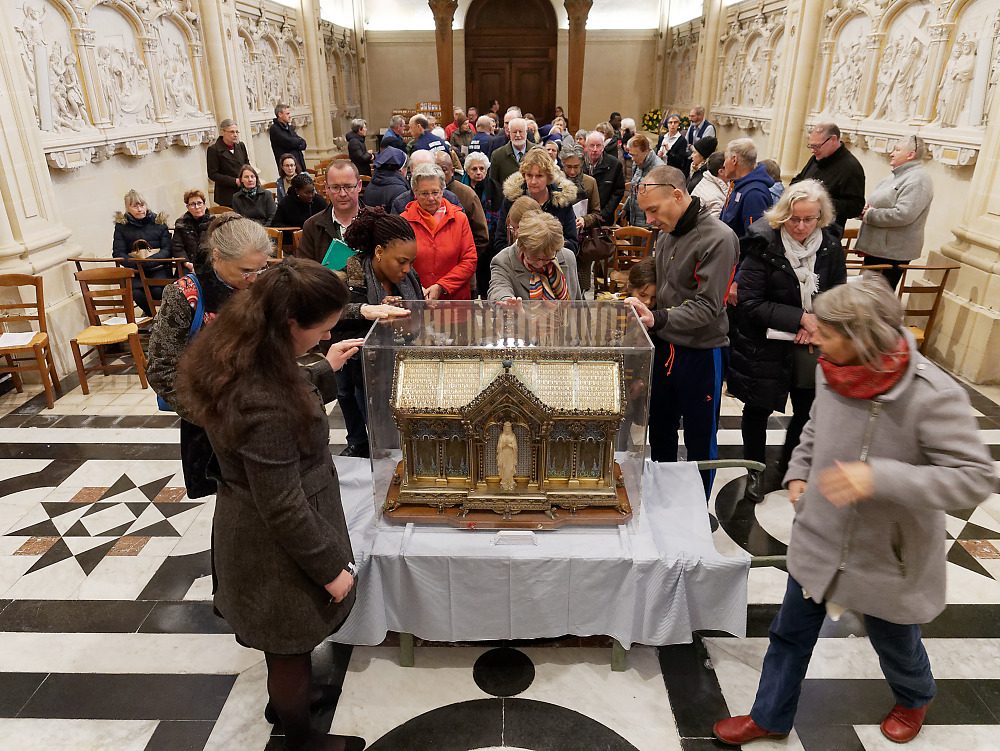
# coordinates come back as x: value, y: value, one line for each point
x: 802, y: 257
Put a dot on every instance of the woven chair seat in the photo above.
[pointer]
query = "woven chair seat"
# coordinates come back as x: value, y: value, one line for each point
x: 40, y: 337
x: 93, y: 335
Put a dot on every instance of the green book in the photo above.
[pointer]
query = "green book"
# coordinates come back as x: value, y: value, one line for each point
x: 337, y: 255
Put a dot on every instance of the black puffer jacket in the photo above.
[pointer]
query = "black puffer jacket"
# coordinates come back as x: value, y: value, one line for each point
x: 357, y: 149
x: 189, y: 234
x: 760, y: 369
x: 153, y: 229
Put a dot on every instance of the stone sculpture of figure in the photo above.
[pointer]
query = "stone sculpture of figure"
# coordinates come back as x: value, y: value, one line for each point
x: 507, y: 457
x: 956, y: 82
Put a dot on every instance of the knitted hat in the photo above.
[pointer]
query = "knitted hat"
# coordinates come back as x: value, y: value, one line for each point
x: 706, y: 146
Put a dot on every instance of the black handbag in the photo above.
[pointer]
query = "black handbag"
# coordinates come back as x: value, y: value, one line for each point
x: 598, y: 244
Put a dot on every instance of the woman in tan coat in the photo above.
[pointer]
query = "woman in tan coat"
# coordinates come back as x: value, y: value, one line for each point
x: 281, y: 552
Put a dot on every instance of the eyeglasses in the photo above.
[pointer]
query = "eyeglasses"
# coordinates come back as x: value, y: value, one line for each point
x: 255, y: 272
x: 642, y: 188
x: 430, y: 194
x: 802, y: 219
x: 335, y: 189
x: 196, y: 204
x: 819, y: 146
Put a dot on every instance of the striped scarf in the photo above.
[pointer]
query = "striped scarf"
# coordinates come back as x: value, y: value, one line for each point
x: 550, y: 284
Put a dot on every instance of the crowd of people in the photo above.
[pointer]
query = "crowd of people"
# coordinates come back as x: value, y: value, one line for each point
x: 745, y: 287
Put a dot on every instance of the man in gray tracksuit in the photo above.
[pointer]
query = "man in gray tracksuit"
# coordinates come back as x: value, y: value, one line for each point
x: 695, y: 258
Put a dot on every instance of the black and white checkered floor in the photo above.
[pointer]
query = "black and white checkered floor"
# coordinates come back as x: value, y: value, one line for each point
x: 108, y: 639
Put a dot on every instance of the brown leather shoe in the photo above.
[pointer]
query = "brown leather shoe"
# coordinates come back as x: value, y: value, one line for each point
x: 901, y: 725
x: 741, y: 729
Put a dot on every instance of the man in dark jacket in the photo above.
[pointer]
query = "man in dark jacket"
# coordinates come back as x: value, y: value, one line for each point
x: 394, y: 136
x: 505, y: 160
x: 225, y: 159
x: 284, y: 139
x: 388, y: 180
x: 839, y: 171
x: 750, y: 195
x: 481, y: 141
x: 608, y: 173
x: 357, y: 148
x: 423, y: 138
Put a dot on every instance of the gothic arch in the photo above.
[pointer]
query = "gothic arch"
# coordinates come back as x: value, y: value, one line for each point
x: 840, y: 21
x: 895, y: 9
x: 126, y: 10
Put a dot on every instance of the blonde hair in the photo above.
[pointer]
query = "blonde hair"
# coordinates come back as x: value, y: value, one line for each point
x: 538, y: 158
x: 235, y: 237
x: 133, y: 197
x: 866, y: 312
x: 519, y: 208
x: 539, y: 234
x: 807, y: 190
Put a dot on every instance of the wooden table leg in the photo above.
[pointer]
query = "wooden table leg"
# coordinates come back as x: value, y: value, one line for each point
x: 406, y: 650
x: 618, y: 655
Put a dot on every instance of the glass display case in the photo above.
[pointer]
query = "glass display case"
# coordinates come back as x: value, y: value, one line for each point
x: 529, y: 415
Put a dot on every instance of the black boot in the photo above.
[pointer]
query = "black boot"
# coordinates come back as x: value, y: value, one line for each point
x: 755, y: 486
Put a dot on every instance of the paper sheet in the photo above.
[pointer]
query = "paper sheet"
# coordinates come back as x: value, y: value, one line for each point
x: 16, y: 339
x: 115, y: 321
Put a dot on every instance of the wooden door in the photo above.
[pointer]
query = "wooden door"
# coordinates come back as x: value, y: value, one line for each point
x: 510, y: 55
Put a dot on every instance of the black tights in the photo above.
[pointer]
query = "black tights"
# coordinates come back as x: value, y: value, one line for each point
x: 289, y: 678
x: 754, y: 426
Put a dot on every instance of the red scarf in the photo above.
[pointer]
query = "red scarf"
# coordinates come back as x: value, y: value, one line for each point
x: 867, y: 381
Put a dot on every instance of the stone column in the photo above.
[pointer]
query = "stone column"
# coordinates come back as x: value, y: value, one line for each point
x: 150, y: 49
x: 319, y: 92
x: 966, y: 335
x: 214, y: 36
x: 96, y: 103
x: 444, y: 16
x: 198, y: 66
x: 803, y: 23
x: 578, y: 10
x: 936, y: 60
x: 819, y: 95
x: 664, y: 40
x: 867, y: 100
x: 708, y: 44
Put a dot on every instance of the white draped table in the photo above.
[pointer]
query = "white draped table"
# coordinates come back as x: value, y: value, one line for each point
x: 652, y: 581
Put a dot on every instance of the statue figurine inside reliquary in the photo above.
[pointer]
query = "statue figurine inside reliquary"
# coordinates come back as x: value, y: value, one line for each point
x: 487, y: 417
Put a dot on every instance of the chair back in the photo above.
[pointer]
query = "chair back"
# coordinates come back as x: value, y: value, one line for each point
x: 19, y: 312
x: 177, y: 270
x: 273, y: 187
x: 620, y: 218
x: 921, y: 297
x: 852, y: 258
x: 81, y: 260
x: 277, y: 236
x: 632, y: 244
x: 107, y: 292
x: 296, y: 238
x: 365, y: 179
x: 216, y: 210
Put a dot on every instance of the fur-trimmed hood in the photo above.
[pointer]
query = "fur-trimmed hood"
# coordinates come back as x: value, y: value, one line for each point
x: 562, y: 192
x: 122, y: 218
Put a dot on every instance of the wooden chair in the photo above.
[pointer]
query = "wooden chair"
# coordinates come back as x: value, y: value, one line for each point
x: 273, y: 187
x: 321, y: 167
x: 632, y: 244
x: 81, y: 260
x: 365, y: 179
x: 215, y: 210
x: 620, y: 219
x: 914, y: 294
x: 149, y: 283
x: 296, y: 238
x: 852, y: 258
x: 107, y: 292
x: 40, y: 358
x: 277, y: 235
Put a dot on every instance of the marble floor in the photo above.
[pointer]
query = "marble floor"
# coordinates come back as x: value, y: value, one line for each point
x: 108, y: 639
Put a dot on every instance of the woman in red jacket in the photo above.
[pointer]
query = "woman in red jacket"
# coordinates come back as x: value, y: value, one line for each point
x: 446, y: 252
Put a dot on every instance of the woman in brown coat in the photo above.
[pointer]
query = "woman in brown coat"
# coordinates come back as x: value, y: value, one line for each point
x: 281, y: 552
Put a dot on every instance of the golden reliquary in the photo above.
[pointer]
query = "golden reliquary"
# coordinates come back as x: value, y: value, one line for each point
x: 525, y: 436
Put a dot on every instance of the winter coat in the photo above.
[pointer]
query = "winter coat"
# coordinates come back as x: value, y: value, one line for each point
x: 593, y: 216
x: 480, y: 142
x: 189, y: 234
x: 510, y: 278
x: 224, y: 168
x: 460, y: 141
x: 284, y: 140
x: 385, y: 187
x: 400, y: 202
x: 429, y: 142
x: 260, y: 206
x: 676, y: 155
x: 712, y: 191
x: 748, y: 199
x: 885, y: 555
x: 610, y: 178
x: 317, y: 233
x: 357, y: 150
x: 894, y: 225
x: 636, y: 216
x: 279, y: 185
x: 760, y: 369
x: 446, y: 255
x: 491, y: 198
x: 474, y: 213
x: 280, y: 535
x: 562, y: 196
x: 153, y: 229
x: 503, y: 162
x: 291, y: 212
x: 844, y: 178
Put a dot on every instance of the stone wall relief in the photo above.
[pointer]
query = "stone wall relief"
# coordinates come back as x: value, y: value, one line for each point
x: 903, y: 65
x: 271, y: 78
x: 847, y: 67
x: 774, y: 70
x: 751, y: 77
x: 122, y: 68
x: 177, y: 71
x: 969, y: 76
x: 293, y: 76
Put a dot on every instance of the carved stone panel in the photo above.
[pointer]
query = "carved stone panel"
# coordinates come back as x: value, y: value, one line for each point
x: 752, y: 74
x: 293, y: 76
x: 970, y: 73
x: 774, y: 70
x: 847, y: 68
x: 249, y: 73
x: 124, y: 78
x: 270, y: 77
x: 179, y: 90
x: 903, y: 64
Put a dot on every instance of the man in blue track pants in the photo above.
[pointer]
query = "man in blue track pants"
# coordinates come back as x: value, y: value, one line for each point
x: 695, y: 258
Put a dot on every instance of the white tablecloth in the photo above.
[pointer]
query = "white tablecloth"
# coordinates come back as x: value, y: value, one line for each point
x: 652, y: 581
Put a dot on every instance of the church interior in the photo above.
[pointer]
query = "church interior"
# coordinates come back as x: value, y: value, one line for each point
x: 108, y: 639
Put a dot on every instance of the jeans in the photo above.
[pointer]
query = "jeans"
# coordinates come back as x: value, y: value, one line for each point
x: 793, y: 635
x: 351, y: 398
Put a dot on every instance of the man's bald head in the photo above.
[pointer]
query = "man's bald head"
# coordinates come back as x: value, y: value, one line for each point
x: 443, y: 160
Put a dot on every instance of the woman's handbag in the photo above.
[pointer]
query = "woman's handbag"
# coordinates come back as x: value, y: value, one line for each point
x: 598, y: 244
x: 199, y: 315
x: 804, y: 357
x: 141, y: 250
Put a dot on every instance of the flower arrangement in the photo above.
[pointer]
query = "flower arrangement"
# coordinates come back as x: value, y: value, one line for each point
x: 652, y: 119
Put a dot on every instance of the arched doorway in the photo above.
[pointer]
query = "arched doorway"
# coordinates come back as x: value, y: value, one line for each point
x: 510, y: 55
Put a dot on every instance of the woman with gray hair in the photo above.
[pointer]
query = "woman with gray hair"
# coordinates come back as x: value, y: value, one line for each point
x: 356, y: 150
x: 238, y: 249
x: 446, y: 251
x: 788, y: 258
x: 893, y: 219
x: 892, y: 445
x: 224, y: 159
x: 477, y: 177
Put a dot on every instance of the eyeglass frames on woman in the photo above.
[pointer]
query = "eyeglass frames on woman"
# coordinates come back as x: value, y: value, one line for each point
x: 254, y: 273
x: 802, y: 219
